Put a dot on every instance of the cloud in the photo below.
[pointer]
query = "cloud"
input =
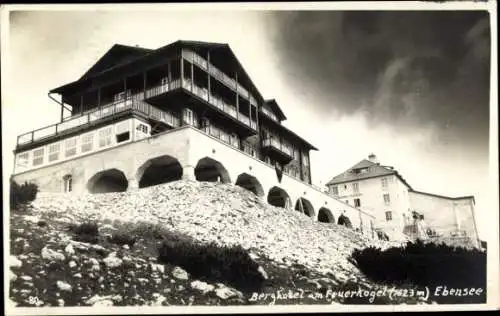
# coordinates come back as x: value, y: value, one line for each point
x: 410, y: 70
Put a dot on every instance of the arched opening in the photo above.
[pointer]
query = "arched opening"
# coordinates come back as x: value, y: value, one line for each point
x: 344, y: 220
x: 304, y: 206
x: 211, y: 170
x: 250, y: 183
x: 278, y: 197
x: 325, y: 216
x: 111, y: 180
x: 159, y: 170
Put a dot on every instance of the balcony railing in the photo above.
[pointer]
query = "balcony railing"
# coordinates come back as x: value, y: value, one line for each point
x: 271, y: 142
x: 134, y: 102
x: 218, y: 103
x: 219, y: 75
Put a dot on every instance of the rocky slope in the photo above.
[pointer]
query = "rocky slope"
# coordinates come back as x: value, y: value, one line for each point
x: 48, y: 268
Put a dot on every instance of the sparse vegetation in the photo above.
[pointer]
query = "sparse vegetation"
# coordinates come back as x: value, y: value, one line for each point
x: 85, y: 232
x: 424, y: 264
x: 213, y: 262
x: 22, y: 194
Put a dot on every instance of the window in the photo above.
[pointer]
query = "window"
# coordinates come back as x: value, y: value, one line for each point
x: 357, y: 202
x: 105, y: 137
x: 38, y: 156
x: 54, y: 150
x: 346, y: 201
x: 384, y: 182
x: 234, y: 140
x: 23, y: 159
x: 388, y: 216
x: 335, y: 190
x: 70, y: 147
x: 296, y: 154
x: 188, y: 116
x: 121, y: 95
x: 387, y: 199
x: 355, y: 187
x: 87, y: 142
x: 142, y: 128
x: 122, y: 132
x: 68, y: 183
x: 305, y: 160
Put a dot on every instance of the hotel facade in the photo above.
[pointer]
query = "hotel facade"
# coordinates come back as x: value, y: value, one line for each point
x: 187, y: 110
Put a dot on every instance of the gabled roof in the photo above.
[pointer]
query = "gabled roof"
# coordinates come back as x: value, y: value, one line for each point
x: 117, y: 55
x: 129, y: 56
x: 374, y: 170
x: 273, y: 105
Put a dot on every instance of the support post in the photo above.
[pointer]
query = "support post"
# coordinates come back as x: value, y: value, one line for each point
x: 81, y: 104
x: 192, y: 76
x: 188, y: 173
x: 237, y: 98
x: 62, y: 112
x: 169, y: 75
x: 144, y: 83
x: 182, y: 71
x: 208, y: 75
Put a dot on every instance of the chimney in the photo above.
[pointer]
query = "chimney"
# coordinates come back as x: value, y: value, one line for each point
x: 373, y: 158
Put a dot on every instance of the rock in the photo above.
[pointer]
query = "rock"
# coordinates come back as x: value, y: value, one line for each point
x: 180, y: 273
x: 77, y: 275
x: 60, y: 302
x: 157, y: 268
x: 49, y: 254
x: 126, y: 247
x: 94, y: 261
x: 263, y: 272
x: 30, y: 218
x: 111, y: 261
x: 159, y: 300
x: 202, y: 286
x: 69, y: 250
x: 108, y: 300
x: 226, y: 292
x: 26, y: 278
x: 63, y: 286
x: 103, y: 303
x: 72, y: 264
x: 13, y: 276
x: 14, y: 262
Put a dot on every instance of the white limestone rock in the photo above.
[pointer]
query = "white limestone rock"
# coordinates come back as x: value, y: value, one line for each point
x: 64, y: 286
x: 201, y: 286
x: 180, y: 273
x: 49, y: 254
x: 14, y: 262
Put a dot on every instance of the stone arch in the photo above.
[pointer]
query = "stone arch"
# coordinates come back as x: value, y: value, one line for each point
x: 110, y: 180
x: 250, y: 183
x: 325, y: 215
x: 344, y: 220
x: 306, y: 205
x: 159, y: 170
x: 278, y: 197
x: 211, y: 170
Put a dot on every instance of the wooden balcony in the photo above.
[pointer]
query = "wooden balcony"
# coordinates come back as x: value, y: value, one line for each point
x: 278, y: 150
x: 133, y: 104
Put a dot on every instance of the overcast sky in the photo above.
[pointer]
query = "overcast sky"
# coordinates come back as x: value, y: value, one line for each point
x: 412, y: 87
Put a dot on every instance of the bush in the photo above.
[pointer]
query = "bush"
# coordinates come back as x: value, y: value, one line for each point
x: 424, y: 264
x: 85, y: 232
x: 121, y: 238
x: 213, y: 262
x: 22, y: 194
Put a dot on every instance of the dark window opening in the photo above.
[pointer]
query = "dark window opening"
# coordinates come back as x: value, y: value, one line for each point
x: 122, y: 137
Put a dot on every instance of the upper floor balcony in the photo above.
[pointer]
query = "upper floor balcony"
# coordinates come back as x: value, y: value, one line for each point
x: 132, y: 104
x: 279, y: 150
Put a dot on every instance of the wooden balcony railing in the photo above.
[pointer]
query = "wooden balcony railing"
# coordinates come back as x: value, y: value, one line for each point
x: 218, y: 102
x: 134, y: 102
x: 271, y: 142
